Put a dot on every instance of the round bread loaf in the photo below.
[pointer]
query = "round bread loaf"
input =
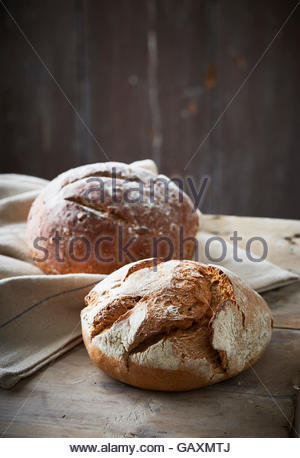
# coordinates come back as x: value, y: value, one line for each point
x: 174, y: 325
x: 98, y: 217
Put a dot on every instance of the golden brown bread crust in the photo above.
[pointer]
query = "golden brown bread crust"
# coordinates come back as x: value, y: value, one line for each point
x: 178, y: 326
x: 68, y: 207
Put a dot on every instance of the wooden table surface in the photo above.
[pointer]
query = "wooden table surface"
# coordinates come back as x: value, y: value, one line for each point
x: 72, y: 398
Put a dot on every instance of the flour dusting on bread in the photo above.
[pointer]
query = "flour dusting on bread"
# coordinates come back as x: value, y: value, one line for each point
x: 174, y: 325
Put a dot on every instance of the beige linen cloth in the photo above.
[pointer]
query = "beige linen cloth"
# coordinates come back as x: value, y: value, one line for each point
x: 39, y: 314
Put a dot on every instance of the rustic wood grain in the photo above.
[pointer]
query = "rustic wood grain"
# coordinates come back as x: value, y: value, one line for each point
x: 150, y: 78
x: 116, y: 50
x: 37, y: 123
x: 258, y: 141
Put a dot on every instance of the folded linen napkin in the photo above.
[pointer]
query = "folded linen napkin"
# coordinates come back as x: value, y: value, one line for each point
x: 39, y: 314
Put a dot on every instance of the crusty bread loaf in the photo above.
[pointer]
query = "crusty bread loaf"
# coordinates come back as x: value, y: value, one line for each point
x: 134, y: 207
x: 174, y: 325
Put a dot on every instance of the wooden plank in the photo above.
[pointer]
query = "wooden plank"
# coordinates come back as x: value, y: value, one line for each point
x: 258, y: 142
x: 186, y: 37
x: 116, y: 48
x: 37, y: 126
x: 193, y: 417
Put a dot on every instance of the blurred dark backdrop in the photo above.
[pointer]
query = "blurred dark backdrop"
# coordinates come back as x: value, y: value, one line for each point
x: 150, y: 78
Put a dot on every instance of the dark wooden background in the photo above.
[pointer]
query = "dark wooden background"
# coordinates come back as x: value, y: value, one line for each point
x: 150, y: 78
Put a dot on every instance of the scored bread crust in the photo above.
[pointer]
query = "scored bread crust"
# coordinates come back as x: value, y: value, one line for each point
x: 175, y: 325
x: 133, y: 207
